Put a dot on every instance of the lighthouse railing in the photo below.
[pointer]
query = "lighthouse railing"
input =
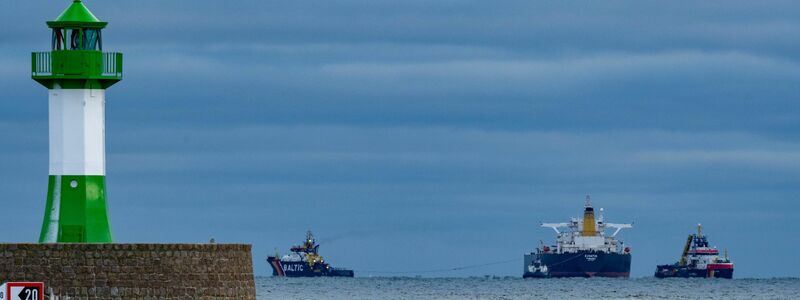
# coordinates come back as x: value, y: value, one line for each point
x: 42, y: 64
x: 102, y: 65
x: 112, y: 64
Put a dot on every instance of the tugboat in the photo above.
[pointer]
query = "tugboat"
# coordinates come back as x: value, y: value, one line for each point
x: 537, y: 270
x: 305, y: 261
x: 698, y: 260
x: 582, y: 250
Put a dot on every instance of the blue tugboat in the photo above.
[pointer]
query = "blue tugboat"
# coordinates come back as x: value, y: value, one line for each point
x: 582, y: 250
x: 305, y: 261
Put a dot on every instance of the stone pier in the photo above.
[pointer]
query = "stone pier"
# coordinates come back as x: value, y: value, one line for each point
x: 133, y: 271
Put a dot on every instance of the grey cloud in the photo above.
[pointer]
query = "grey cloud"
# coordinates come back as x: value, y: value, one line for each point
x: 458, y: 125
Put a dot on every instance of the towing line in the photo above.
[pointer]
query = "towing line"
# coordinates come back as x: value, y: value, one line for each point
x: 445, y: 270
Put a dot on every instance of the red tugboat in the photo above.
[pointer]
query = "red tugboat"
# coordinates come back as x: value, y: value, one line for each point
x: 698, y: 260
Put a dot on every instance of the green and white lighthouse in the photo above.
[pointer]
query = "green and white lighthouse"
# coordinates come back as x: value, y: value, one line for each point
x: 76, y: 73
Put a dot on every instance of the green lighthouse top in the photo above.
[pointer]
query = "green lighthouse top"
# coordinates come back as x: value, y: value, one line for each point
x: 76, y: 59
x: 77, y: 15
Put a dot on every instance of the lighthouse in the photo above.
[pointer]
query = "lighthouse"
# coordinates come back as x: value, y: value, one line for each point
x: 76, y: 73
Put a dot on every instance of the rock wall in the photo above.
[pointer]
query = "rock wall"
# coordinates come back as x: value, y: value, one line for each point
x: 133, y: 271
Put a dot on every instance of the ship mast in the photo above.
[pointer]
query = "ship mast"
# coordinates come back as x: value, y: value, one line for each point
x: 309, y: 237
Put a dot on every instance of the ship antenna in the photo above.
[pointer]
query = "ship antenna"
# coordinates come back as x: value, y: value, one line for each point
x: 699, y: 229
x: 588, y: 201
x: 601, y: 215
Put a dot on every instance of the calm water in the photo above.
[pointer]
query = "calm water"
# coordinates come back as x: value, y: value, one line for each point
x: 518, y: 288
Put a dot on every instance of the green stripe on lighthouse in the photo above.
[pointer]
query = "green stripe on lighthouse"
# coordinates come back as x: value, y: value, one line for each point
x: 81, y: 208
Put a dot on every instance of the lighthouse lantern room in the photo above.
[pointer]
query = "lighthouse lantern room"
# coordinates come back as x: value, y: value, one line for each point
x: 76, y: 73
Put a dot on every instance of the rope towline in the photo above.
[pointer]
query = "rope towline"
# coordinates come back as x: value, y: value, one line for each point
x: 445, y: 270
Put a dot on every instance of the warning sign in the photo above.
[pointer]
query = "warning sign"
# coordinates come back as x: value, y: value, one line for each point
x: 22, y: 291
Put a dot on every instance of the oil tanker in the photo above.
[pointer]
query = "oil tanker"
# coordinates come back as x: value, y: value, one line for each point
x: 698, y: 260
x: 305, y: 261
x: 582, y: 249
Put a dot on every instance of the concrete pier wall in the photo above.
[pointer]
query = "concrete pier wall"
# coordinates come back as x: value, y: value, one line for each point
x: 133, y: 271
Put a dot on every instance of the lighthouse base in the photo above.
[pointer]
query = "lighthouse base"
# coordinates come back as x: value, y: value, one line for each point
x: 76, y: 210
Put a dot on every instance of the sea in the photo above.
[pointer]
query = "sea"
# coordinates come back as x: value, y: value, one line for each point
x: 518, y: 288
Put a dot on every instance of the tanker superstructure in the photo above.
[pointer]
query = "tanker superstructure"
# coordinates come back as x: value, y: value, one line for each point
x: 582, y: 249
x: 698, y: 260
x: 305, y: 261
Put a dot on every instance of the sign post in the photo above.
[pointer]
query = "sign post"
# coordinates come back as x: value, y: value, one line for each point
x: 22, y: 291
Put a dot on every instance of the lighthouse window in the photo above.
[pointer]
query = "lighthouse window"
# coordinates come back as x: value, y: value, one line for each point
x: 91, y: 40
x: 74, y: 39
x: 58, y: 39
x: 79, y: 39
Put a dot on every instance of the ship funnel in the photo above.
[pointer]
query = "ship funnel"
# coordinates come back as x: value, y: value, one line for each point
x: 589, y: 224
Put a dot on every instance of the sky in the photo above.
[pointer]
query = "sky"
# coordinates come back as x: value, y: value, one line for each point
x: 421, y: 135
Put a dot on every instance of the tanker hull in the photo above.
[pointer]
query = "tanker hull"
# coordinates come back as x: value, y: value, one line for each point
x: 582, y: 264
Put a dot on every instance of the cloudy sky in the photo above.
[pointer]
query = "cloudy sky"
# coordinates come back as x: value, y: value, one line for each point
x: 418, y: 135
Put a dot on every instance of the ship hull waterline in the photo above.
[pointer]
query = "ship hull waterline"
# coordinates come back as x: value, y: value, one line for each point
x: 302, y: 269
x: 673, y: 271
x: 581, y: 264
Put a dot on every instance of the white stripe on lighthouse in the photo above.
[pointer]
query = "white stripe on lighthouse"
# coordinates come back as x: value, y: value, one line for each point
x: 55, y: 213
x: 77, y: 132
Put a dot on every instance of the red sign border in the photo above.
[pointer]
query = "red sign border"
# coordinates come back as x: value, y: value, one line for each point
x: 40, y: 285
